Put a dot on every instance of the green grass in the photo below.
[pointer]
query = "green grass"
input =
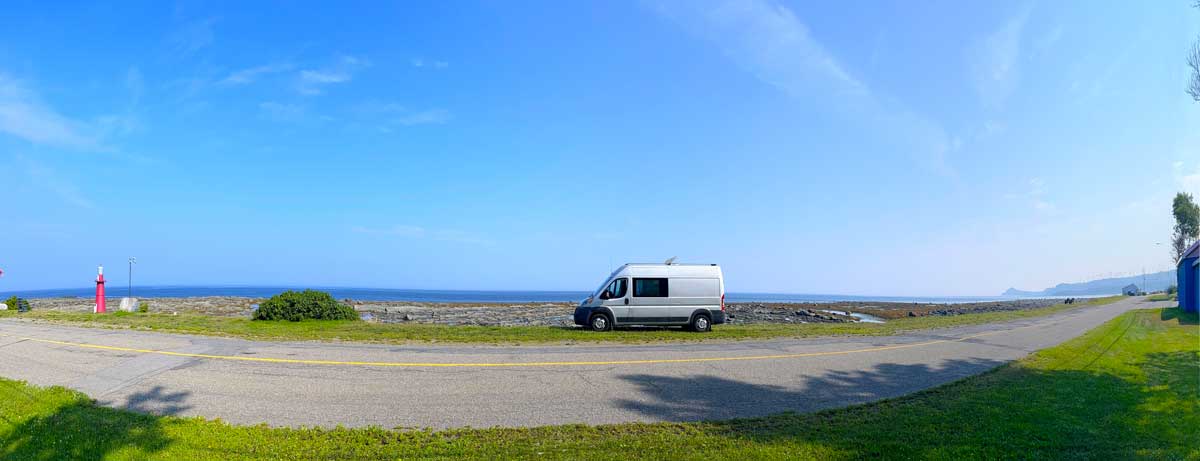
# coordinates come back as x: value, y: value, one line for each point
x: 406, y: 333
x: 1128, y: 389
x: 1161, y: 297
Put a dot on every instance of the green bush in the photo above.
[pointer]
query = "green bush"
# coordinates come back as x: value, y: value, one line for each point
x: 143, y: 307
x: 17, y: 304
x: 1172, y: 289
x: 301, y: 305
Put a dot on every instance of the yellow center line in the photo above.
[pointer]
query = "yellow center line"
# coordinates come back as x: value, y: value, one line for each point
x: 505, y: 364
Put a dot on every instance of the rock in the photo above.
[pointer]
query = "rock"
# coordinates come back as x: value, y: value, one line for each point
x: 408, y: 317
x: 912, y: 314
x: 128, y: 304
x: 3, y: 307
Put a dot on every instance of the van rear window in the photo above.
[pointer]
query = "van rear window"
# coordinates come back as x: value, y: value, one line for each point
x: 650, y: 288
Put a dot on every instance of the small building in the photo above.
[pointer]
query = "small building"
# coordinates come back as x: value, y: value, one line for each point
x: 1188, y: 279
x: 1130, y: 290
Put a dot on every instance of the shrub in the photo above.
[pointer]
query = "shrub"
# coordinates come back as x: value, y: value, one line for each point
x: 1172, y: 289
x: 300, y: 305
x: 143, y: 307
x: 17, y: 304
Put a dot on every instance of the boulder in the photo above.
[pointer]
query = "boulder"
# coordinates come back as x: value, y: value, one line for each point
x: 128, y: 304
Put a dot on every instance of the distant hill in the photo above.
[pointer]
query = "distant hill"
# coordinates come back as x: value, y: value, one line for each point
x: 1154, y: 282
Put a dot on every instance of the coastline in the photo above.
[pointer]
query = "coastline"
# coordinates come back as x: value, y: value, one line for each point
x: 116, y: 291
x: 558, y: 313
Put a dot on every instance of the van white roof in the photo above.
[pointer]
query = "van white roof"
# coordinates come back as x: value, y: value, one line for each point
x: 672, y: 270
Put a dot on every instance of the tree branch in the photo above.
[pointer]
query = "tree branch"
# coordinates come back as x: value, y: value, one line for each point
x: 1193, y: 61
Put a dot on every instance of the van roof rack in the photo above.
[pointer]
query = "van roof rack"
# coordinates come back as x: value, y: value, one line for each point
x: 663, y: 263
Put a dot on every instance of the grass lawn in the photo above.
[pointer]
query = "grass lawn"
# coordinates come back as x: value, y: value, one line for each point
x: 406, y: 333
x: 1162, y: 297
x: 1128, y: 389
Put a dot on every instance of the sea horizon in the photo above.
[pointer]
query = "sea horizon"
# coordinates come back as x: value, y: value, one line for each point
x: 466, y: 296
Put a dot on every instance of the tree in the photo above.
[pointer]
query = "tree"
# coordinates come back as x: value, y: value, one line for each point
x: 1193, y: 61
x: 1187, y: 224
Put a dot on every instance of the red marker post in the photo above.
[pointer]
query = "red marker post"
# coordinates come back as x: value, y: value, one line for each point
x: 100, y: 290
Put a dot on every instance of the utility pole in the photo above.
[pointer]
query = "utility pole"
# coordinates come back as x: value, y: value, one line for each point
x: 132, y: 261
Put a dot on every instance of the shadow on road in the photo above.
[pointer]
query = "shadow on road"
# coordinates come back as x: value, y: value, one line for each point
x: 1015, y: 411
x: 158, y: 401
x: 707, y: 397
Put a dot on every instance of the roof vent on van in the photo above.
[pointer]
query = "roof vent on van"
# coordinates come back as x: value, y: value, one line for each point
x: 670, y: 261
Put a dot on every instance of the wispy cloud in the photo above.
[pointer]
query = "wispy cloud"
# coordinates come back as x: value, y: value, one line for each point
x: 421, y: 62
x: 401, y: 230
x: 313, y: 81
x: 252, y: 74
x: 389, y: 115
x: 433, y: 116
x: 1187, y: 180
x: 417, y: 232
x: 24, y: 115
x: 769, y: 41
x: 1049, y: 39
x: 45, y: 177
x: 281, y: 112
x: 1035, y: 197
x: 191, y: 37
x: 994, y: 61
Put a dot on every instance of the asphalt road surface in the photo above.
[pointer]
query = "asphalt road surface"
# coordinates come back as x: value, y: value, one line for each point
x: 323, y: 384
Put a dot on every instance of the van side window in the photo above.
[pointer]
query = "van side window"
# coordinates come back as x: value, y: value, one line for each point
x: 650, y: 288
x: 617, y: 289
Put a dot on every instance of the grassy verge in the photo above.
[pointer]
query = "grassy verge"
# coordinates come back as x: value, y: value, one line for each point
x: 1127, y: 389
x: 405, y: 333
x: 1161, y: 297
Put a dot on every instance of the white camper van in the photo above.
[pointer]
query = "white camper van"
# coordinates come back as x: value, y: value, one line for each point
x: 691, y: 295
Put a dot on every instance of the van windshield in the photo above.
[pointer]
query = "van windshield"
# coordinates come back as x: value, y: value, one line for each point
x: 607, y: 281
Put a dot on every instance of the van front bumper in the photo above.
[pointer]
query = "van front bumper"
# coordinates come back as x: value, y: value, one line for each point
x: 582, y: 315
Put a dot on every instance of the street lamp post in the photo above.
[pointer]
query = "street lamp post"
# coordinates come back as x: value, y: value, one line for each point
x: 132, y: 261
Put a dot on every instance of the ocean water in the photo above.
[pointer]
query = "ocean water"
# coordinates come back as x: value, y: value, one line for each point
x: 460, y: 296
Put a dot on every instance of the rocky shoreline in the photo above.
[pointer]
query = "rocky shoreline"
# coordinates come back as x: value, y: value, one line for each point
x: 560, y: 314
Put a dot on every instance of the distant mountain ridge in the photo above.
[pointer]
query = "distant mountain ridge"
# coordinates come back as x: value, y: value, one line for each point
x: 1157, y: 281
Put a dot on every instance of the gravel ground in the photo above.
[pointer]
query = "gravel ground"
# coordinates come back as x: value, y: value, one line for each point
x: 555, y: 314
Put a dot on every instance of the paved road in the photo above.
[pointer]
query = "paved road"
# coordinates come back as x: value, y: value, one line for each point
x: 294, y: 384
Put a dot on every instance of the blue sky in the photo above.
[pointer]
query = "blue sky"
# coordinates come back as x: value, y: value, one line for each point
x: 939, y: 148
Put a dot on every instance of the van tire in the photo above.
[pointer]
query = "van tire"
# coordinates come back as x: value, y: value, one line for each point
x: 600, y: 322
x: 701, y: 323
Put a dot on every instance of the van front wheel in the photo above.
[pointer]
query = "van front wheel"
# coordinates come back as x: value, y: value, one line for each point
x: 600, y: 322
x: 701, y: 324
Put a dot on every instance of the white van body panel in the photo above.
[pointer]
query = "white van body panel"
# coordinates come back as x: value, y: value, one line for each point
x: 690, y: 289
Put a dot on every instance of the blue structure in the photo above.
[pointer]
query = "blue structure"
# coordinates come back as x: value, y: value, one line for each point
x: 1188, y: 279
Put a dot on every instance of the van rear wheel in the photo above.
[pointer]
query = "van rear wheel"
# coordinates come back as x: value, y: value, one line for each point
x: 600, y: 322
x: 701, y: 324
